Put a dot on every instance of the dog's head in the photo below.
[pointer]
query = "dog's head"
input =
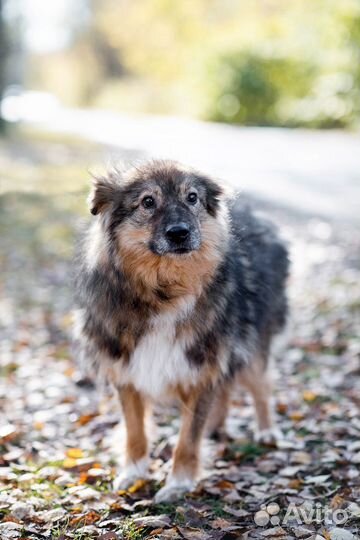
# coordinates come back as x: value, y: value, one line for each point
x: 160, y: 211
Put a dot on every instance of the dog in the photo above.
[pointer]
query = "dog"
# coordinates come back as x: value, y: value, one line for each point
x: 180, y: 291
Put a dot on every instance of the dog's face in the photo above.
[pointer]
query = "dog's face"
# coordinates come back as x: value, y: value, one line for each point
x: 161, y: 204
x: 172, y: 211
x: 165, y: 226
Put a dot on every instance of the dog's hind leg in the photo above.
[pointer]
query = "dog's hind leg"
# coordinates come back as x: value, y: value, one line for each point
x: 215, y: 425
x: 186, y: 458
x: 255, y: 378
x: 136, y: 461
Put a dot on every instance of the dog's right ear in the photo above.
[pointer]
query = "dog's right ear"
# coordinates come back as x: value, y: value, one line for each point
x: 103, y: 193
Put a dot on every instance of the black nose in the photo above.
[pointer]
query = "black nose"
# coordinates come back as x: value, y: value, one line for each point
x: 177, y: 233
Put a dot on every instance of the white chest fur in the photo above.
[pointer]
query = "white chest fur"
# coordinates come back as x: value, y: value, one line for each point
x: 159, y: 362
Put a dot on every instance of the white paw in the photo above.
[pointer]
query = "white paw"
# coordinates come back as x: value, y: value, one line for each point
x: 174, y: 489
x: 269, y: 436
x: 124, y: 481
x: 131, y: 474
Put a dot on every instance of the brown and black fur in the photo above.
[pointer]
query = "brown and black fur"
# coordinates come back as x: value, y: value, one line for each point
x: 200, y: 268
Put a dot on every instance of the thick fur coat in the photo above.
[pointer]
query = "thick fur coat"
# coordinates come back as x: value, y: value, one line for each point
x: 180, y: 291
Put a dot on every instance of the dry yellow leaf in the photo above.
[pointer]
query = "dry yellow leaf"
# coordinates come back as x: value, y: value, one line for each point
x: 309, y: 396
x: 74, y: 453
x: 76, y: 510
x: 69, y: 372
x: 135, y: 487
x: 337, y: 501
x: 295, y: 483
x: 297, y: 415
x: 68, y: 463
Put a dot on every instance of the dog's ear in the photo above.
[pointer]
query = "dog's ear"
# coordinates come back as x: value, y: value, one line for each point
x: 104, y: 191
x: 213, y: 194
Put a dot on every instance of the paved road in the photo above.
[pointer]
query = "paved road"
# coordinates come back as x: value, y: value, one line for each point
x: 316, y: 172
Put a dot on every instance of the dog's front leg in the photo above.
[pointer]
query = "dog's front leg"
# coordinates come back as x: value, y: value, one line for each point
x: 136, y: 458
x: 195, y: 409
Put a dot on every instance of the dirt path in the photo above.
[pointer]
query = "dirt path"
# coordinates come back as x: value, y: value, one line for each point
x: 316, y: 171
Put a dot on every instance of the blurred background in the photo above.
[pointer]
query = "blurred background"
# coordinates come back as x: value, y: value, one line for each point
x: 263, y: 62
x: 264, y: 94
x: 137, y: 78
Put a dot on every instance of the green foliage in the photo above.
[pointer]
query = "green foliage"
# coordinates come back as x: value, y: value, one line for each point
x: 253, y: 88
x: 250, y: 88
x: 275, y: 63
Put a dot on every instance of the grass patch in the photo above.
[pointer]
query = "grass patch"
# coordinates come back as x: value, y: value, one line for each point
x: 132, y: 532
x: 245, y: 452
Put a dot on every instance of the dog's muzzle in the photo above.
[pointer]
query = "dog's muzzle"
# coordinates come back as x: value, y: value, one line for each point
x: 178, y: 238
x: 177, y: 234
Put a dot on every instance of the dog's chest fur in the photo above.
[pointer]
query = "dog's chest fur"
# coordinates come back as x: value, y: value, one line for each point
x: 159, y: 363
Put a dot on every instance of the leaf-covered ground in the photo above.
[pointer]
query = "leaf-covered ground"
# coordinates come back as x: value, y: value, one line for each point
x: 60, y: 439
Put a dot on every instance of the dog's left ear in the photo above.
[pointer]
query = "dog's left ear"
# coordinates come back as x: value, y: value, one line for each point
x: 104, y: 192
x: 213, y: 194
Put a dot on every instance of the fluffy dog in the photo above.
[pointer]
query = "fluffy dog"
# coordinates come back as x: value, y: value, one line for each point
x: 180, y: 292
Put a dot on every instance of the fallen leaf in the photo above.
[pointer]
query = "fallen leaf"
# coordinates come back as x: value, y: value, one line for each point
x: 74, y: 453
x: 21, y: 510
x: 225, y: 484
x: 84, y: 493
x: 303, y: 458
x: 8, y: 432
x: 295, y: 483
x: 341, y: 534
x: 337, y: 501
x: 238, y: 512
x: 193, y: 534
x: 296, y: 416
x: 221, y: 523
x: 281, y: 408
x: 274, y: 532
x: 139, y: 484
x: 320, y: 479
x: 69, y: 463
x: 86, y: 519
x: 52, y: 516
x: 78, y: 465
x: 309, y: 396
x: 86, y: 418
x: 152, y: 522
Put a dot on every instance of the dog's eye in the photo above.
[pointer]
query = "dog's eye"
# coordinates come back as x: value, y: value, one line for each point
x: 148, y: 202
x: 192, y: 198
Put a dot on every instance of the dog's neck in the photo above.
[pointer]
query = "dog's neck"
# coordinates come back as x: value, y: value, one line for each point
x: 161, y: 280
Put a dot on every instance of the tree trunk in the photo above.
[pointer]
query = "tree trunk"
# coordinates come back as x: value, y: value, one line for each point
x: 3, y: 51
